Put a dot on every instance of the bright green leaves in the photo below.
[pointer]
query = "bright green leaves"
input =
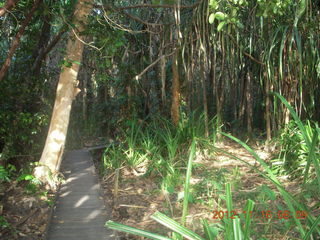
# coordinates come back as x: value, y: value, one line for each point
x: 224, y: 19
x: 221, y: 17
x: 228, y: 14
x: 218, y: 15
x: 270, y: 8
x: 214, y: 4
x: 221, y: 25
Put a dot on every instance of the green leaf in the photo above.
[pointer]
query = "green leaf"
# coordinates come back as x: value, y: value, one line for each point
x: 187, y: 183
x: 25, y: 177
x: 210, y: 232
x: 174, y: 226
x: 220, y: 16
x: 211, y: 18
x: 313, y: 227
x: 221, y: 25
x: 249, y: 209
x: 135, y: 231
x: 237, y: 229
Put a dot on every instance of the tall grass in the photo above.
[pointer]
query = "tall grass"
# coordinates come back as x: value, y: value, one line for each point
x: 164, y: 220
x: 310, y: 139
x: 166, y: 146
x: 292, y: 203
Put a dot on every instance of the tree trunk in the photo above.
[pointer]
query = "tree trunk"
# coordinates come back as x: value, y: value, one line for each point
x: 204, y: 92
x: 16, y: 41
x: 66, y: 92
x: 7, y: 6
x: 175, y: 90
x: 249, y: 102
x: 163, y: 74
x: 43, y: 41
x: 268, y: 114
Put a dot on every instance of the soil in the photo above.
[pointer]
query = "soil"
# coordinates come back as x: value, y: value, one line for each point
x: 138, y: 197
x: 25, y: 210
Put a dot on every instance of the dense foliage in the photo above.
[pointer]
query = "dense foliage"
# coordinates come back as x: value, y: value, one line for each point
x: 250, y: 68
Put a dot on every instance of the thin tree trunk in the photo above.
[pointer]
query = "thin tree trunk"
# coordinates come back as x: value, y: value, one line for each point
x: 175, y: 90
x: 204, y: 93
x: 268, y: 114
x: 163, y: 74
x: 249, y: 106
x: 43, y: 41
x: 84, y: 100
x: 175, y: 115
x: 7, y: 6
x: 16, y: 41
x: 66, y: 92
x: 44, y: 51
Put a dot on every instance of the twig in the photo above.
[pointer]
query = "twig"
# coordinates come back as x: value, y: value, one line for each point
x: 244, y: 52
x: 159, y: 6
x: 137, y: 77
x: 23, y: 220
x: 131, y: 206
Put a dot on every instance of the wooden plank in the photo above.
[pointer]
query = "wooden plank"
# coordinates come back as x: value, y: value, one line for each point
x: 80, y: 212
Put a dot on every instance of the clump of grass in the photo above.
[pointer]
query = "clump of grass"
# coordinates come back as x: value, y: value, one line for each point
x: 310, y: 228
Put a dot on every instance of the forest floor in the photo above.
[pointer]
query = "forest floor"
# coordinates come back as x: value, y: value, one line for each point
x: 27, y: 211
x: 139, y: 197
x: 24, y: 210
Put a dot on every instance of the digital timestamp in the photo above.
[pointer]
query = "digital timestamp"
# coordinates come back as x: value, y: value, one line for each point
x: 265, y: 214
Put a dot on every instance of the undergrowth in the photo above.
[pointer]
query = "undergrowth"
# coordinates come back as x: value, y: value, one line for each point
x: 155, y: 148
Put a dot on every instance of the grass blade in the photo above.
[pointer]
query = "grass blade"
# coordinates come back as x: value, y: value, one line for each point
x: 237, y: 229
x: 311, y: 157
x: 187, y: 183
x: 313, y: 227
x: 287, y: 197
x: 295, y: 117
x: 229, y: 209
x: 207, y: 230
x: 249, y: 209
x: 175, y: 226
x: 135, y: 231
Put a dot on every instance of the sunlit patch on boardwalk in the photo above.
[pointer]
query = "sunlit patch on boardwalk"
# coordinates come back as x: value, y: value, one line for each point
x: 80, y: 212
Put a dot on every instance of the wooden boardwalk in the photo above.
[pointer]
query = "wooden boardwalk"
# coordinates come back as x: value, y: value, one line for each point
x: 80, y: 212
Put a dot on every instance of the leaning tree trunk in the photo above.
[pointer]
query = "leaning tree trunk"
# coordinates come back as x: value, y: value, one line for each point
x: 66, y: 92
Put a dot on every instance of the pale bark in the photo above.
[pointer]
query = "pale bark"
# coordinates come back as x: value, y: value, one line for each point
x: 66, y: 92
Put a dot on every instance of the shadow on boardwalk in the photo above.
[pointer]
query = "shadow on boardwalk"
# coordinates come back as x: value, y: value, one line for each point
x: 80, y: 212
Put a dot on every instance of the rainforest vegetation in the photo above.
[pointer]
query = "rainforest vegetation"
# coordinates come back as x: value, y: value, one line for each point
x: 207, y: 113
